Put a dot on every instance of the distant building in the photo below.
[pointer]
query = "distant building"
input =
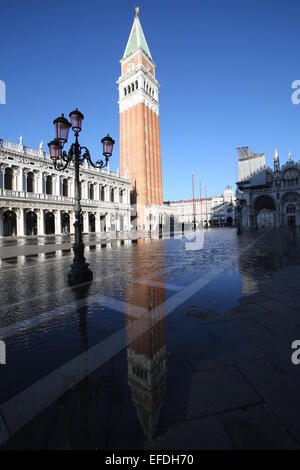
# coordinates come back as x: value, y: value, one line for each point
x: 223, y: 215
x: 268, y: 197
x: 182, y: 213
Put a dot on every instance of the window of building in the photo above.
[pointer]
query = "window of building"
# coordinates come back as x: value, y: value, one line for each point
x: 30, y: 182
x: 112, y: 195
x: 49, y: 184
x: 8, y: 179
x: 291, y: 209
x: 91, y: 191
x: 65, y: 187
x: 102, y: 193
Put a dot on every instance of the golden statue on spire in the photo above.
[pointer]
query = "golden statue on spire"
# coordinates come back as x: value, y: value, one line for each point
x: 137, y: 11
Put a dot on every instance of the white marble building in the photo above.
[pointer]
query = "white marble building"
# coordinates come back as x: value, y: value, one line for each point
x: 176, y: 215
x: 35, y: 199
x: 268, y: 197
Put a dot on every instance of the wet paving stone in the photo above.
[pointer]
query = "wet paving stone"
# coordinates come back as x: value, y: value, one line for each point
x: 217, y: 390
x: 205, y: 433
x: 4, y: 436
x: 204, y: 316
x: 256, y: 427
x: 278, y: 391
x: 280, y: 325
x: 214, y: 345
x: 245, y: 310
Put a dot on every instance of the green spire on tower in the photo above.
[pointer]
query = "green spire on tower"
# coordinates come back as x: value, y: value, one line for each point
x: 137, y: 38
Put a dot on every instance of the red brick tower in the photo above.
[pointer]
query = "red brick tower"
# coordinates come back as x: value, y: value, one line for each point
x: 139, y: 122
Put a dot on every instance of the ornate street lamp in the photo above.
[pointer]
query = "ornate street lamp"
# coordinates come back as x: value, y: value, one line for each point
x: 79, y: 271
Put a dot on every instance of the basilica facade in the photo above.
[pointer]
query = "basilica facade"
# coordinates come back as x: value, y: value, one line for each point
x: 267, y: 196
x: 35, y: 199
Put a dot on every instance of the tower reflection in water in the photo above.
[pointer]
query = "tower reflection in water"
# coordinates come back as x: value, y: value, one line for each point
x: 146, y: 351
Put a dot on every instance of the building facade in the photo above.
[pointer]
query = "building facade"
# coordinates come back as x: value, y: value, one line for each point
x: 35, y: 199
x: 266, y: 196
x: 140, y: 152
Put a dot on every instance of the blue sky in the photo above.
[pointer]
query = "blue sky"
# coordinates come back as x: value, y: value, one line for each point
x: 225, y: 70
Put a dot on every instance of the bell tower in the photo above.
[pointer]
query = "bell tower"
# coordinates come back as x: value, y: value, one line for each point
x: 140, y: 153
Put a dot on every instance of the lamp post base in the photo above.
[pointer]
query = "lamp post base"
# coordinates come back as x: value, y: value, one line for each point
x: 79, y: 274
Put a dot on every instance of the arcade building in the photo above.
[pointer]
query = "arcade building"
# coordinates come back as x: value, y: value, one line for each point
x: 35, y: 199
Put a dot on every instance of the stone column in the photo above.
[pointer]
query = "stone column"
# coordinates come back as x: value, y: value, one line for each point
x: 97, y: 222
x: 86, y: 190
x: 24, y: 179
x: 106, y: 193
x: 116, y: 195
x: 35, y: 183
x: 277, y: 215
x: 43, y: 182
x: 15, y: 180
x: 57, y: 185
x: 128, y: 221
x: 57, y: 222
x: 85, y: 222
x: 72, y: 220
x: 1, y: 222
x: 70, y: 187
x: 20, y: 223
x: 39, y: 182
x: 2, y: 173
x: 107, y: 221
x: 117, y: 221
x: 20, y: 178
x: 96, y: 191
x: 41, y: 224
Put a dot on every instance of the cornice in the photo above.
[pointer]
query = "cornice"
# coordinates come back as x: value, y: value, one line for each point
x: 42, y: 164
